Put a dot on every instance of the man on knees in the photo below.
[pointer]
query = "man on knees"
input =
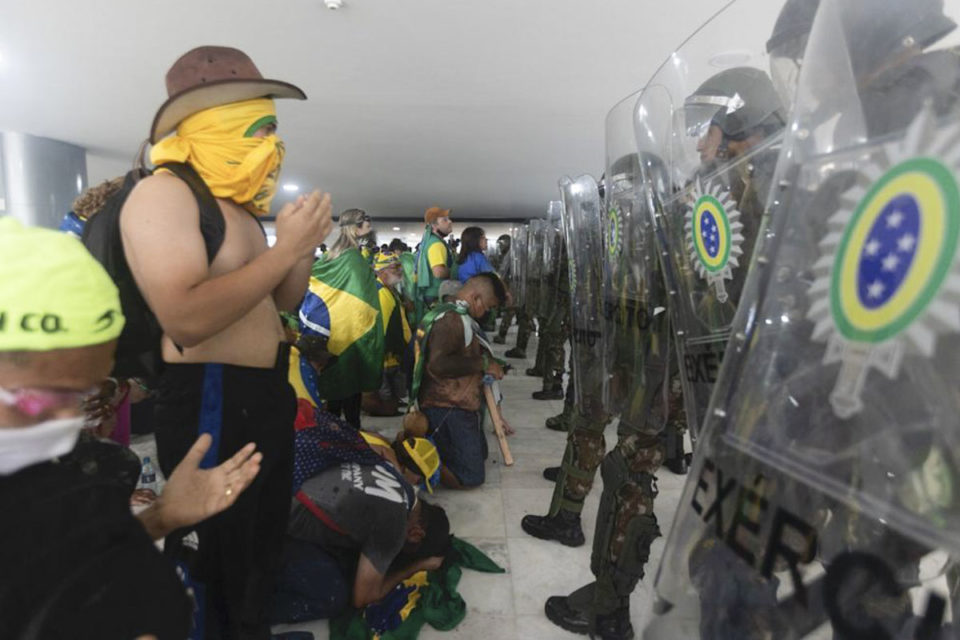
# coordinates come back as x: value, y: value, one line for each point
x: 448, y: 378
x: 225, y: 366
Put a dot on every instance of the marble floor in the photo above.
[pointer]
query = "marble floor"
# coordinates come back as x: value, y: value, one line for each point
x: 510, y: 606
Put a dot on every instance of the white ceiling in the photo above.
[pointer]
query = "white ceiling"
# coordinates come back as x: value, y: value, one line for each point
x: 479, y: 105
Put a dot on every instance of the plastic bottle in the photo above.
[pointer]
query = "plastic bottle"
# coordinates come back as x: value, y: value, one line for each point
x: 148, y: 475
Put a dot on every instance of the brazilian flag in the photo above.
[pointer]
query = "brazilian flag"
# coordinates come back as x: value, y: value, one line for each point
x: 343, y: 305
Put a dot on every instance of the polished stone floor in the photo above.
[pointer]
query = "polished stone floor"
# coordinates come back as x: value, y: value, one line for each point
x: 510, y: 605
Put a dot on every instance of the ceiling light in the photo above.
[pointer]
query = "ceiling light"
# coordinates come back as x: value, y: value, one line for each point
x: 730, y: 59
x: 396, y: 228
x: 333, y: 5
x: 291, y: 188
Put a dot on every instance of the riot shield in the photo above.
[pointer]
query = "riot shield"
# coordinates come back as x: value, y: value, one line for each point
x: 636, y: 327
x: 722, y: 132
x: 518, y: 263
x: 823, y: 498
x: 582, y: 228
x: 534, y: 266
x: 552, y: 250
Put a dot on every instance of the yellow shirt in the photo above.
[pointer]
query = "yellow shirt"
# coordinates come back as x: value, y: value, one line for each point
x: 437, y: 254
x: 388, y: 303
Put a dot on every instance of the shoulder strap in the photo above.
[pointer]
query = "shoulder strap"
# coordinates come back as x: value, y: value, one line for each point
x: 420, y: 345
x: 213, y: 227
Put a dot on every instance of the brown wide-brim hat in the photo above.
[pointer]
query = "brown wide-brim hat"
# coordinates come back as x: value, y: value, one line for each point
x: 211, y: 76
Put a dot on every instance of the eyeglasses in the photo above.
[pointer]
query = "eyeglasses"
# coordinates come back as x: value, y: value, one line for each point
x: 36, y: 401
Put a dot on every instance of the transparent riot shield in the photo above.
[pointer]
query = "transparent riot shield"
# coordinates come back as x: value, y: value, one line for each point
x: 636, y: 327
x: 723, y: 122
x: 582, y: 229
x: 534, y: 272
x: 518, y: 263
x: 552, y: 250
x: 823, y: 500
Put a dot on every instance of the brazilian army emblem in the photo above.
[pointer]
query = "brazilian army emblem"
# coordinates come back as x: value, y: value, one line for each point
x: 614, y: 232
x: 714, y: 237
x: 888, y: 280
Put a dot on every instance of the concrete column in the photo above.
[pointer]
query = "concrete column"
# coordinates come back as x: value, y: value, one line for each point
x: 41, y: 177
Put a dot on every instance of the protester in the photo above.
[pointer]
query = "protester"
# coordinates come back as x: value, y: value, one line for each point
x: 453, y: 357
x: 472, y: 259
x: 386, y: 401
x: 434, y: 262
x: 357, y: 528
x: 223, y: 344
x: 76, y: 563
x: 342, y: 305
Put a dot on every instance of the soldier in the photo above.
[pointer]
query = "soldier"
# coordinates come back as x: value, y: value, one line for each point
x: 518, y: 286
x: 554, y: 306
x: 832, y: 410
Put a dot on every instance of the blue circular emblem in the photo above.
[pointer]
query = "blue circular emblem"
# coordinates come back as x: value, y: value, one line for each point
x: 710, y: 234
x: 888, y: 252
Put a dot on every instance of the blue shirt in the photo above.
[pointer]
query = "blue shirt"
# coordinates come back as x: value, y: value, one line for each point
x: 475, y: 263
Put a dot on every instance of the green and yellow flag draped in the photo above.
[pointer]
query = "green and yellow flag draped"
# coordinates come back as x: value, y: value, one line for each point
x: 342, y: 304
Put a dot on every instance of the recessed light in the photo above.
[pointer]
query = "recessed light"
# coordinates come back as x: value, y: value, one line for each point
x: 730, y: 59
x: 396, y: 228
x: 291, y: 188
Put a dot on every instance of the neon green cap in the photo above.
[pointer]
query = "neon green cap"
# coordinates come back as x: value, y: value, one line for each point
x: 53, y: 293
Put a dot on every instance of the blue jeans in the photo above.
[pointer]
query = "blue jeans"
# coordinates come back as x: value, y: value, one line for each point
x: 311, y: 585
x: 460, y: 441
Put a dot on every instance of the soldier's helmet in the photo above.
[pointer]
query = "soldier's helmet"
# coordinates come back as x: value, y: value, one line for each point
x: 503, y: 243
x: 741, y: 101
x: 787, y: 44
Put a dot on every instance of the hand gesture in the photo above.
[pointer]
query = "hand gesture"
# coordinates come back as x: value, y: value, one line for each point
x: 193, y: 494
x: 495, y: 370
x: 304, y: 224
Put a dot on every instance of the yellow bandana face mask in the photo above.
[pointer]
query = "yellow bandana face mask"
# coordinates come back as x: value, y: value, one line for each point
x: 219, y: 143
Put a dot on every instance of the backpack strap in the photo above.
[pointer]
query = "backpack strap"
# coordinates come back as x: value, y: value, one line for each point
x: 213, y: 226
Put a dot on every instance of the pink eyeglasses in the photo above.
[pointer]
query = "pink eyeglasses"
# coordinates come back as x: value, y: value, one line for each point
x: 36, y: 401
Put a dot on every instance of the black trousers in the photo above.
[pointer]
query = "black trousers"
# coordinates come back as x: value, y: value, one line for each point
x: 231, y: 561
x: 348, y: 407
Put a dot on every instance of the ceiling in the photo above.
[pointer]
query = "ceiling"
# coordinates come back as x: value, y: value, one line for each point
x: 476, y: 105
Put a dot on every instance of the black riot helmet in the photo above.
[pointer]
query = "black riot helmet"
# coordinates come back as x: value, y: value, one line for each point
x: 877, y: 34
x: 741, y: 101
x: 503, y: 244
x: 787, y: 44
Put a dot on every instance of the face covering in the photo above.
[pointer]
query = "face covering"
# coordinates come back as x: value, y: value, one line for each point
x: 219, y: 143
x: 21, y: 447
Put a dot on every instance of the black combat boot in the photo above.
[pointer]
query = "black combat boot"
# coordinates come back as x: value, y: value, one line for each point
x: 516, y: 352
x: 560, y: 613
x: 551, y: 473
x: 560, y: 422
x: 536, y: 373
x: 564, y: 528
x: 614, y: 626
x: 498, y: 339
x: 554, y: 392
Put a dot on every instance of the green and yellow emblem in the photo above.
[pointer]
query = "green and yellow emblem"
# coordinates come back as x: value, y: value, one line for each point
x: 888, y: 280
x: 714, y: 236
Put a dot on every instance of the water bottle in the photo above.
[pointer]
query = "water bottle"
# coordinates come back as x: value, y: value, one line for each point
x: 148, y: 476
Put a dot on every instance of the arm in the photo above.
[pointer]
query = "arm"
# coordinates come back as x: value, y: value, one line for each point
x: 166, y: 254
x: 291, y: 290
x: 437, y: 258
x: 371, y: 586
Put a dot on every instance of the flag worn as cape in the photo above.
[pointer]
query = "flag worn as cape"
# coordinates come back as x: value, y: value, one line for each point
x: 342, y: 303
x: 426, y: 597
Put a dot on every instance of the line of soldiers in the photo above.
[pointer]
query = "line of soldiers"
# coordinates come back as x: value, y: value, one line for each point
x: 772, y: 259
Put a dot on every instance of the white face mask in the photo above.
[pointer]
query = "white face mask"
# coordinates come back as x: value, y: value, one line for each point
x: 21, y: 447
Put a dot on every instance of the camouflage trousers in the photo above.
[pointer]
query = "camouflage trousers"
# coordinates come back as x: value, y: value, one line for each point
x: 553, y: 336
x: 626, y: 525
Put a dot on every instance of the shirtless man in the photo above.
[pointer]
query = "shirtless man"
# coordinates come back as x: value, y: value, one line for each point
x: 224, y: 348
